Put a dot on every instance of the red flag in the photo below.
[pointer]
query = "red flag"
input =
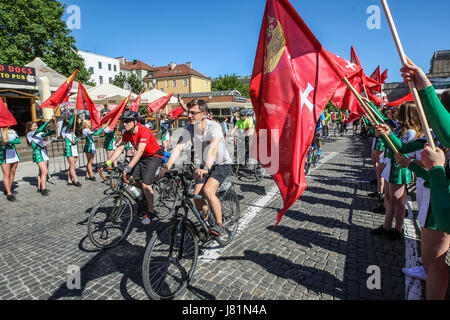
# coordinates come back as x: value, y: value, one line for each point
x: 353, y: 57
x: 6, y: 118
x: 135, y: 106
x: 115, y: 114
x: 408, y: 97
x: 84, y: 102
x: 376, y: 75
x: 61, y: 95
x: 293, y: 79
x: 159, y: 103
x: 176, y: 113
x: 384, y: 76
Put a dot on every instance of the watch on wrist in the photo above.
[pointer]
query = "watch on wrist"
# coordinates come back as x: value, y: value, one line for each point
x: 205, y: 167
x: 128, y: 169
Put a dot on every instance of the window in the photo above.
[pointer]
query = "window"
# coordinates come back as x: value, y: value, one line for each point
x: 174, y: 83
x: 185, y: 82
x: 115, y: 68
x: 110, y: 80
x: 99, y: 64
x: 206, y: 83
x: 100, y: 78
x: 162, y: 89
x: 167, y: 83
x: 109, y: 66
x: 91, y: 70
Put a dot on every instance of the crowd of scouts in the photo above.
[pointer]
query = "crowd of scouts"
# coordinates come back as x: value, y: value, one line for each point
x: 415, y: 161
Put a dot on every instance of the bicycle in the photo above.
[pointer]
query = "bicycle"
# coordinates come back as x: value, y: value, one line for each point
x: 311, y: 158
x: 171, y: 255
x: 257, y: 168
x: 110, y: 220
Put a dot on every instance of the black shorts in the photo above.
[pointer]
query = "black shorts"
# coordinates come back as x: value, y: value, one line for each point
x: 146, y: 169
x: 217, y: 172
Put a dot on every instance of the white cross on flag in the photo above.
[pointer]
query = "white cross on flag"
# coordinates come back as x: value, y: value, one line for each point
x: 291, y: 70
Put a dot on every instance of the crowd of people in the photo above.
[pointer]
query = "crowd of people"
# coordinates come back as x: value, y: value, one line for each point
x: 411, y: 160
x: 400, y: 156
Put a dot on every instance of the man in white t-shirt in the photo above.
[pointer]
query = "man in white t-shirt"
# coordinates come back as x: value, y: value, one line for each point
x: 210, y: 151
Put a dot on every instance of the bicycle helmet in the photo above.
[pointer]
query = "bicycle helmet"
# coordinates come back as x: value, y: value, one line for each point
x: 130, y: 115
x: 243, y: 113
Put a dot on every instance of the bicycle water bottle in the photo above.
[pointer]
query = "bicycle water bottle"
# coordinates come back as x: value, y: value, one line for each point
x: 224, y: 186
x: 136, y: 193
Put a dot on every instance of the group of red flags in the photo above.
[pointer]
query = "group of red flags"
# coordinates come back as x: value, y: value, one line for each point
x: 293, y: 79
x: 84, y: 102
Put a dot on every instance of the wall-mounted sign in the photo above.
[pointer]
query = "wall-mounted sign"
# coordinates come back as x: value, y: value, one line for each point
x: 239, y: 99
x: 17, y: 75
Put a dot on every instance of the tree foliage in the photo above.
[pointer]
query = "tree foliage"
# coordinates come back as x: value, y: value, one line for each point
x: 136, y: 84
x: 34, y: 28
x: 230, y: 82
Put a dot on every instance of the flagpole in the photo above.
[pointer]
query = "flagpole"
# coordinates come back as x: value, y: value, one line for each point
x: 411, y: 84
x: 367, y: 110
x: 374, y: 113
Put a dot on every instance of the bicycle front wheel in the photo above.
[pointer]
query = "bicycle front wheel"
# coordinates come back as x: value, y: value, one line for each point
x: 166, y: 197
x: 169, y: 261
x: 259, y: 171
x: 231, y: 212
x: 110, y: 220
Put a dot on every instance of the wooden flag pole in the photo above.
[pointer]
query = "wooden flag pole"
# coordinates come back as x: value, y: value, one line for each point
x: 372, y: 118
x: 370, y: 109
x: 411, y: 84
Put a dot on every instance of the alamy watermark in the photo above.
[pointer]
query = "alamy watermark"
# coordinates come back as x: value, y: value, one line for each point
x: 74, y: 20
x: 74, y: 278
x: 374, y: 280
x: 374, y: 20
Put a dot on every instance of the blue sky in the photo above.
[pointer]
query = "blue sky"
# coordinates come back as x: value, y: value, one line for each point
x: 220, y: 37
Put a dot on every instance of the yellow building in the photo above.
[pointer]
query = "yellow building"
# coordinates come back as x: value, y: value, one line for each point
x: 177, y: 79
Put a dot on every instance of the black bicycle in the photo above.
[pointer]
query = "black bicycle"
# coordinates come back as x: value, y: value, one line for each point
x: 110, y: 220
x: 171, y: 255
x: 256, y: 168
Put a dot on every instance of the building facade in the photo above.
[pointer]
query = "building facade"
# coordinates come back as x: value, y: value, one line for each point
x: 138, y: 67
x: 177, y: 79
x: 103, y: 69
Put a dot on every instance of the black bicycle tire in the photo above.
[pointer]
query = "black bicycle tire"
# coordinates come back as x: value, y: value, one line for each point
x: 94, y: 211
x: 237, y: 215
x: 149, y: 290
x: 257, y: 176
x: 166, y: 214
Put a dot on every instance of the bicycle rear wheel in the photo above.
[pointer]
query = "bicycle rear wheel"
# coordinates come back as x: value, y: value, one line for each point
x: 109, y: 221
x: 231, y: 212
x: 169, y: 261
x: 259, y: 171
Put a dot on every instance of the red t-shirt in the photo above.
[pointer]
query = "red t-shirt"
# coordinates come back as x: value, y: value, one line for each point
x: 144, y: 135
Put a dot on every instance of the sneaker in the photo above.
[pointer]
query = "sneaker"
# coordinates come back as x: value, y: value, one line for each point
x: 92, y: 178
x: 379, y: 209
x: 373, y: 194
x: 11, y: 198
x: 379, y: 231
x: 45, y: 192
x: 38, y: 190
x: 218, y: 230
x: 381, y: 198
x: 417, y: 272
x: 393, y: 235
x: 146, y: 220
x: 76, y: 184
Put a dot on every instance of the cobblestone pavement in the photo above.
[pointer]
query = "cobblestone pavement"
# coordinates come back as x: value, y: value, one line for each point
x: 321, y: 249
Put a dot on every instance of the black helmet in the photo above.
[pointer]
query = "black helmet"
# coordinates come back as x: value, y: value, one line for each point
x: 243, y: 113
x: 130, y: 115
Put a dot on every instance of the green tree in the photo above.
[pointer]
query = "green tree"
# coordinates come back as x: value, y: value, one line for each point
x: 230, y: 82
x: 34, y: 28
x: 136, y: 84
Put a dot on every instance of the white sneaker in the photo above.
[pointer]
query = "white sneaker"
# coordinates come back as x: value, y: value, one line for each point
x: 415, y: 272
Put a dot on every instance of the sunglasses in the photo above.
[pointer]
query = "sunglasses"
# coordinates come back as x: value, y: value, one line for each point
x: 127, y: 121
x: 194, y: 113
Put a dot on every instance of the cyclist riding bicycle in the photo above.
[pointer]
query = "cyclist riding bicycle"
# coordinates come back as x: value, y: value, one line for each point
x: 327, y: 123
x: 245, y: 126
x: 318, y: 134
x: 146, y: 160
x: 210, y: 151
